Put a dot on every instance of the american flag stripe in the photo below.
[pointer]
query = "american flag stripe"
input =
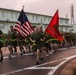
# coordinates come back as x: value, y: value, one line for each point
x: 24, y: 30
x: 18, y: 30
x: 29, y: 27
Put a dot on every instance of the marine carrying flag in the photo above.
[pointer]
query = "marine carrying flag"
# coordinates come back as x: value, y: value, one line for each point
x: 23, y: 26
x: 53, y: 27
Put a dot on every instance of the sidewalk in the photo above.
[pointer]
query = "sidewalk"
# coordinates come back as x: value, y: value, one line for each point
x: 68, y: 69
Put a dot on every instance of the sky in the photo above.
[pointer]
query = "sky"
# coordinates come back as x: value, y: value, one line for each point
x: 45, y: 7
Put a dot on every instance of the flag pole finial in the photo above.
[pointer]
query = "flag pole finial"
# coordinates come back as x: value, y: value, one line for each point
x: 23, y: 7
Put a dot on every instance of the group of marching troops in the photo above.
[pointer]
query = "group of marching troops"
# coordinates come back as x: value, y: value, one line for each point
x: 39, y: 43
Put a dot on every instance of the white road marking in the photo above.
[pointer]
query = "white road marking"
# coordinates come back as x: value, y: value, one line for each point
x: 36, y: 68
x: 52, y: 69
x: 60, y: 64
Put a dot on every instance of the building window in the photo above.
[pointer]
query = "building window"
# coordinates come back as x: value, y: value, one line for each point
x: 66, y: 28
x: 33, y: 17
x: 16, y: 15
x: 2, y: 26
x: 3, y: 14
x: 44, y: 18
x: 36, y: 18
x: 12, y: 15
x: 61, y: 28
x: 66, y: 22
x: 61, y: 21
x: 27, y: 16
x: 48, y: 19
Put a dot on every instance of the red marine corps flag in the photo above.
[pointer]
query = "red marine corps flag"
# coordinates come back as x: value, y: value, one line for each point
x: 53, y: 29
x: 23, y: 26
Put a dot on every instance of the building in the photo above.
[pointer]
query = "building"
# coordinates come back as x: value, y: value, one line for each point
x: 9, y: 17
x: 74, y: 28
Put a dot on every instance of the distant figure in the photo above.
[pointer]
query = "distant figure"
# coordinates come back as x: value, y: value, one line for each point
x: 36, y: 40
x: 21, y: 41
x: 12, y: 41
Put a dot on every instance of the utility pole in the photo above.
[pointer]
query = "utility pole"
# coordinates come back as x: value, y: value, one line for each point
x: 72, y: 15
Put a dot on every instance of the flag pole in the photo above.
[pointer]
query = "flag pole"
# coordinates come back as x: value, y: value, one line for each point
x: 42, y: 24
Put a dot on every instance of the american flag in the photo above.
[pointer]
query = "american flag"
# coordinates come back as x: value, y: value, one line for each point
x: 23, y: 26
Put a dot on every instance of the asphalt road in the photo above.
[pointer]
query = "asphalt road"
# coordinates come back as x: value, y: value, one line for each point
x: 26, y: 64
